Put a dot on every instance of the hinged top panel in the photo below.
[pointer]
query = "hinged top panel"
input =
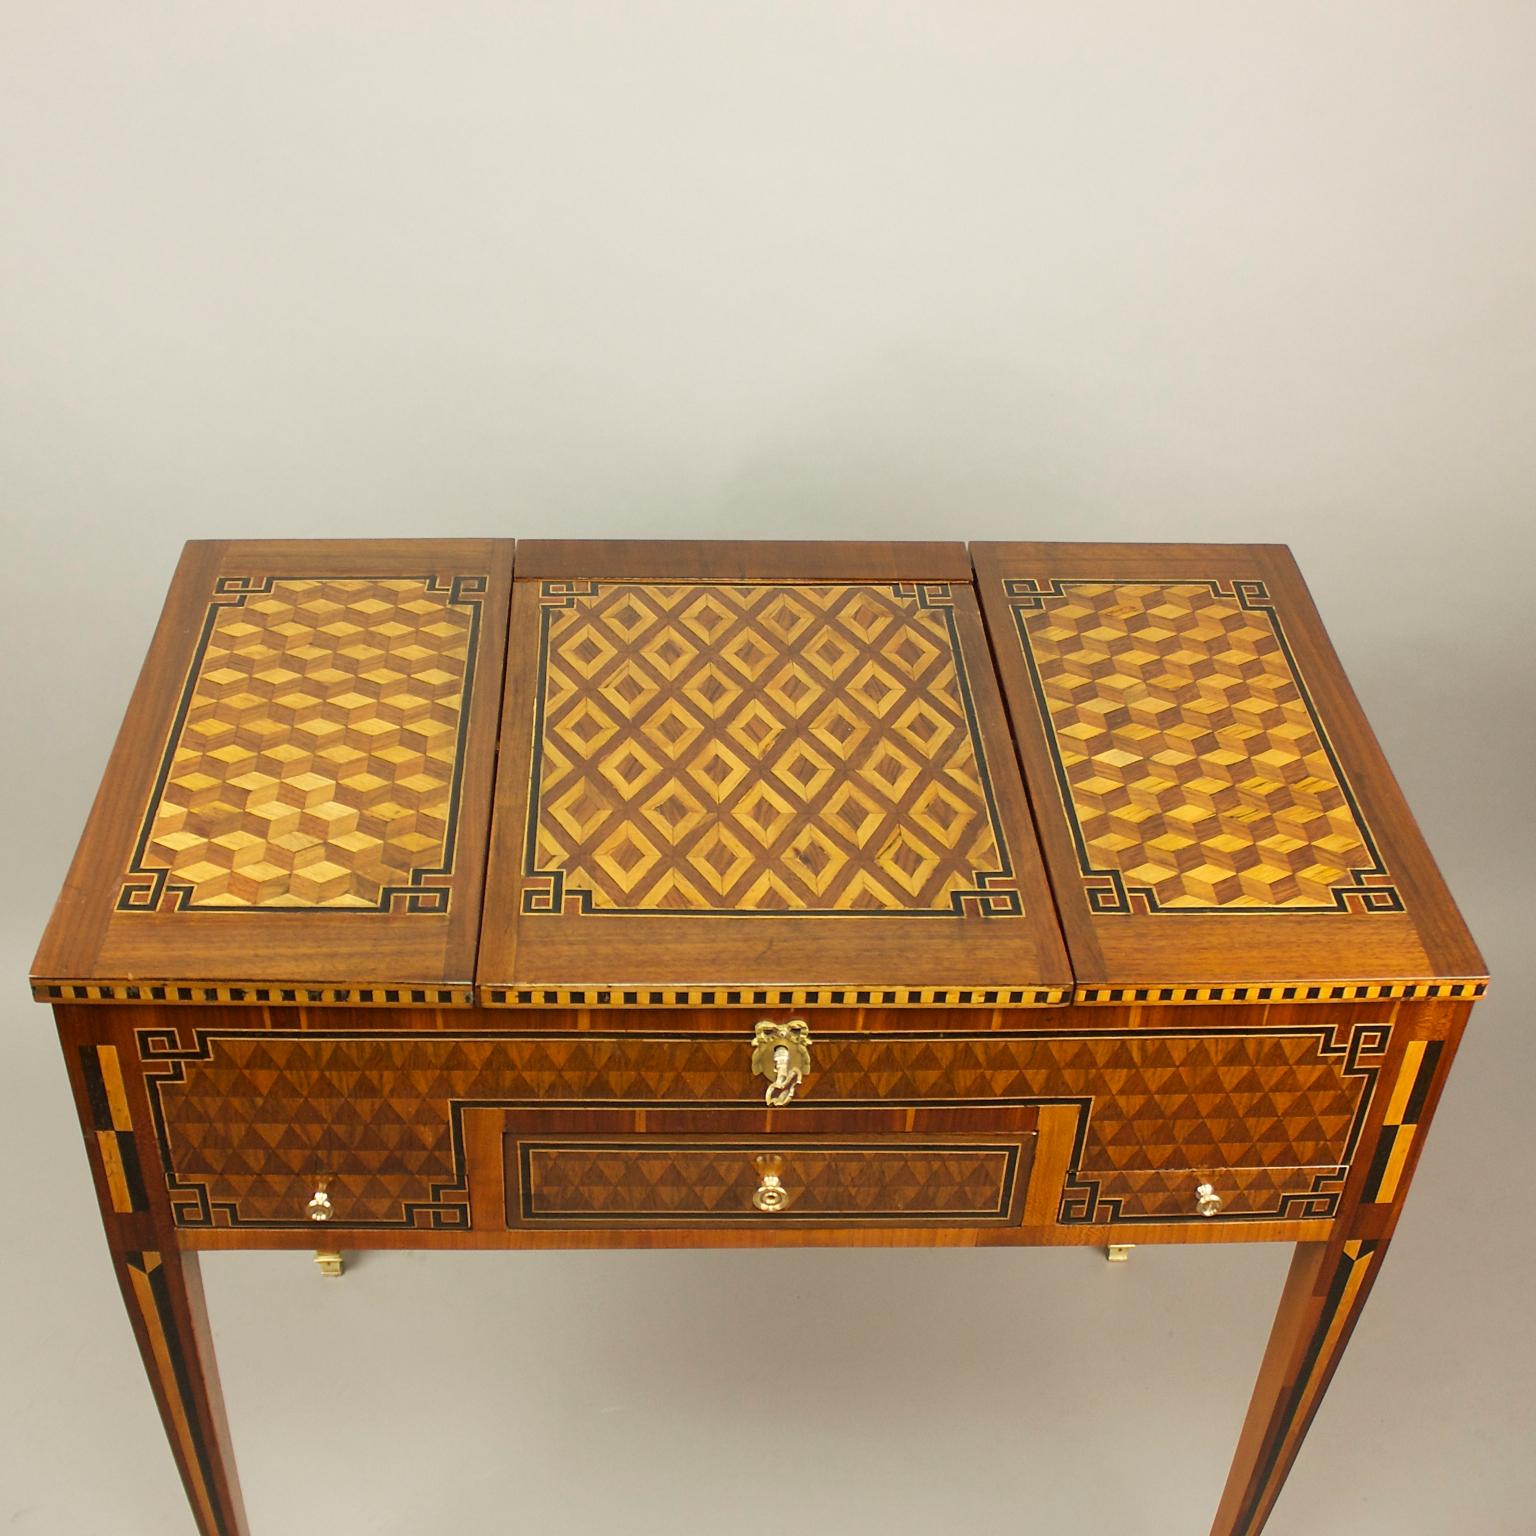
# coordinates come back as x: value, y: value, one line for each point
x: 296, y: 806
x: 727, y: 788
x: 1217, y: 817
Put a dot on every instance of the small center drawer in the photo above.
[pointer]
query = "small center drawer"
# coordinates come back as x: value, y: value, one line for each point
x: 665, y: 1183
x: 747, y: 1169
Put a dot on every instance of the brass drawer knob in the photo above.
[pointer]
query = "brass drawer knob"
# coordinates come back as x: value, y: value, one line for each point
x: 320, y: 1207
x: 1207, y: 1201
x: 782, y: 1054
x: 771, y: 1195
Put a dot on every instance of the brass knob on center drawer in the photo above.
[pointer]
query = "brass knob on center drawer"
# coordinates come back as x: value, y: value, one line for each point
x: 1207, y: 1201
x: 771, y: 1195
x: 782, y: 1054
x: 320, y: 1207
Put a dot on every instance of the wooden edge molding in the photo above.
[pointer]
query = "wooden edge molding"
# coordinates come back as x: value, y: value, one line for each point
x: 549, y: 997
x: 775, y: 997
x: 1289, y: 992
x: 305, y: 995
x: 744, y: 997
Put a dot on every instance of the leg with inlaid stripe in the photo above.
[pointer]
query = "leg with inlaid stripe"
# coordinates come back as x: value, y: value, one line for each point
x: 1324, y: 1293
x: 1329, y: 1281
x: 164, y: 1294
x: 161, y: 1285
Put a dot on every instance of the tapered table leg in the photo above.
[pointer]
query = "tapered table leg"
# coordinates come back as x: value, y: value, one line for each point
x: 162, y: 1286
x: 1324, y: 1293
x: 164, y: 1294
x: 1329, y: 1282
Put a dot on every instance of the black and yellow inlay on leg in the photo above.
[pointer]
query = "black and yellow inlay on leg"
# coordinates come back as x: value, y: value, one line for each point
x: 1354, y: 1268
x: 113, y: 1125
x: 1401, y: 1122
x: 151, y: 1291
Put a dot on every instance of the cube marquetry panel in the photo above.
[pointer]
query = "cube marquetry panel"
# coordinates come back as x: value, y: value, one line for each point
x: 1194, y: 769
x: 315, y: 759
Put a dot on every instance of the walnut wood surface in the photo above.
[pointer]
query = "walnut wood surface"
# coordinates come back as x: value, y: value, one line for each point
x: 759, y: 784
x: 739, y: 560
x: 300, y: 789
x: 1213, y: 807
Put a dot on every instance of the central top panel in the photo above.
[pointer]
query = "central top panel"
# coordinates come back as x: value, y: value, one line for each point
x: 806, y: 750
x: 745, y: 785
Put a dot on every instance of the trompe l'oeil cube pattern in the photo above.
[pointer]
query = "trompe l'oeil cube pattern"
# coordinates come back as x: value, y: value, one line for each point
x: 315, y: 763
x: 1196, y: 774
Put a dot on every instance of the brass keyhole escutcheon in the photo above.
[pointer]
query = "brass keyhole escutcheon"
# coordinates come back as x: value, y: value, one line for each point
x: 781, y: 1053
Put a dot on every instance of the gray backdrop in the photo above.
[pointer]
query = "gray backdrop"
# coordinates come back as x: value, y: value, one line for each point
x: 1118, y: 270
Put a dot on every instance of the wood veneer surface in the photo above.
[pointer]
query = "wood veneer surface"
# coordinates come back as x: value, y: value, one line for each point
x: 791, y: 781
x: 301, y: 786
x: 1213, y: 807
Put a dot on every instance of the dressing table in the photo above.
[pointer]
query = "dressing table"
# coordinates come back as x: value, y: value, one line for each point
x: 446, y: 894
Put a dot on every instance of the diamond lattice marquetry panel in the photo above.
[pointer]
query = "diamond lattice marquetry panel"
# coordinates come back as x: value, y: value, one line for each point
x: 239, y: 1111
x: 758, y: 748
x: 316, y: 759
x: 679, y: 1182
x: 1196, y: 772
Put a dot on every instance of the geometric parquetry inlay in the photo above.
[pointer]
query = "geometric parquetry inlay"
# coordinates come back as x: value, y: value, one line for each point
x: 774, y: 749
x: 1141, y: 1195
x: 664, y: 1182
x: 1192, y: 765
x: 317, y: 750
x: 247, y: 1119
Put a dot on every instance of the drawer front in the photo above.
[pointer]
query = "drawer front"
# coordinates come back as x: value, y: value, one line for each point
x: 1200, y: 1195
x: 764, y: 1181
x: 248, y: 1120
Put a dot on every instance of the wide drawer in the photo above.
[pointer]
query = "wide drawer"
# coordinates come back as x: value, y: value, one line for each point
x: 248, y: 1120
